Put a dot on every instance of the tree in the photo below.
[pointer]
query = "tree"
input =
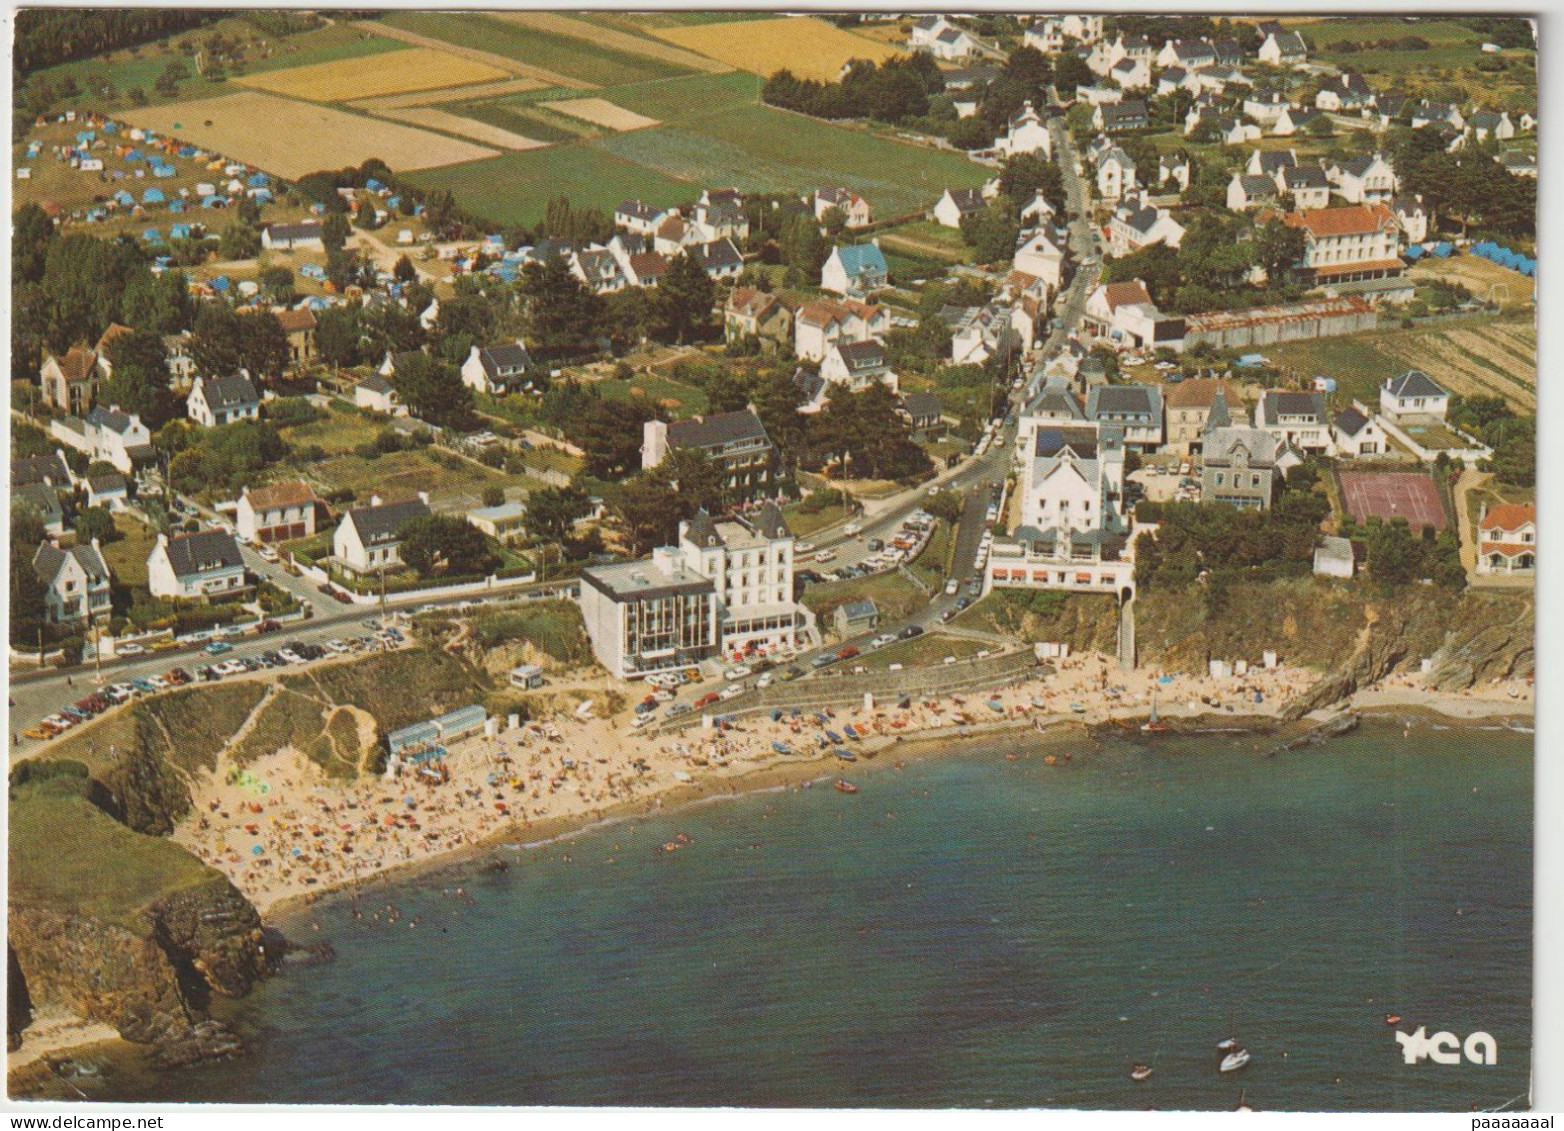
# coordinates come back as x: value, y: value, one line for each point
x: 1071, y: 71
x: 404, y: 272
x: 553, y: 511
x: 239, y: 241
x: 263, y: 345
x: 158, y: 303
x: 96, y: 522
x: 947, y: 505
x: 139, y: 381
x: 435, y: 540
x: 650, y: 510
x: 85, y: 279
x: 992, y: 233
x: 1027, y: 174
x: 277, y: 284
x: 334, y: 232
x: 28, y: 593
x: 696, y: 478
x: 1277, y: 248
x: 32, y: 229
x: 432, y: 390
x: 560, y: 313
x: 494, y: 495
x: 682, y: 304
x: 338, y: 331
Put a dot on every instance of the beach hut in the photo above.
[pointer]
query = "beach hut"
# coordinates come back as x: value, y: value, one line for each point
x: 153, y: 196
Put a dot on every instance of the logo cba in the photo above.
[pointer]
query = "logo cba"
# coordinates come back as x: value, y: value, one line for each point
x: 1446, y: 1048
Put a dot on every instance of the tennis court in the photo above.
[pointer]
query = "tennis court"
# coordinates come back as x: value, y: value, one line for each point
x: 1393, y: 494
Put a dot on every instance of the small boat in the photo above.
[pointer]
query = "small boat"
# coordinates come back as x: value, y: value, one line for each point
x: 846, y: 786
x: 1078, y: 708
x: 833, y: 736
x: 1235, y: 1060
x: 996, y: 705
x: 1392, y: 1019
x: 848, y: 730
x: 1141, y: 1072
x: 1227, y: 1045
x: 776, y: 714
x: 781, y: 748
x: 1155, y: 725
x: 845, y: 754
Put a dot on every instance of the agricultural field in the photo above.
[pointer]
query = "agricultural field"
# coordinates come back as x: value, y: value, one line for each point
x: 323, y: 45
x: 525, y: 117
x: 809, y: 47
x: 601, y: 112
x: 410, y: 69
x: 1496, y: 356
x: 487, y: 133
x: 586, y: 63
x: 634, y: 42
x: 440, y: 95
x: 291, y: 138
x: 677, y: 100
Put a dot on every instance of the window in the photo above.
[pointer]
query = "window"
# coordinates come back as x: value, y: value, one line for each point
x: 1219, y: 479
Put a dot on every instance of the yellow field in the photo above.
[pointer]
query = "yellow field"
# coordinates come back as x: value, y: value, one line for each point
x: 441, y: 94
x: 291, y: 138
x: 601, y: 112
x: 462, y: 127
x: 392, y: 72
x: 810, y: 48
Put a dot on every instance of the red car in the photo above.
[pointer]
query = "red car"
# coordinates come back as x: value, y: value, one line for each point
x: 707, y: 700
x: 847, y: 653
x: 267, y: 626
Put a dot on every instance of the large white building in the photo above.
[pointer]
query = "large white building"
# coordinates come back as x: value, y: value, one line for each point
x: 1027, y: 134
x: 725, y: 590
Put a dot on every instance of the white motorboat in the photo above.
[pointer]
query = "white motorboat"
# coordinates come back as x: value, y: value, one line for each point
x: 1235, y: 1060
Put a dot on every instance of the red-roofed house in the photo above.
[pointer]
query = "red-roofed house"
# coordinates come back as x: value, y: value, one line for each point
x: 1507, y: 539
x: 71, y: 383
x: 1361, y: 241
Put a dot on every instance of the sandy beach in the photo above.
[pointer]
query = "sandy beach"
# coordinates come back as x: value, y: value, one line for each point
x: 284, y: 833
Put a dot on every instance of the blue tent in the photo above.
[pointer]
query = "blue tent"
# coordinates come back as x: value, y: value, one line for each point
x: 374, y: 186
x: 153, y: 196
x: 220, y: 283
x: 179, y: 231
x: 176, y: 205
x: 214, y: 202
x: 124, y: 199
x: 1415, y: 251
x: 85, y: 137
x: 187, y: 151
x: 135, y: 155
x: 111, y: 127
x: 262, y: 196
x: 1443, y: 250
x: 152, y: 235
x: 257, y: 180
x: 163, y: 171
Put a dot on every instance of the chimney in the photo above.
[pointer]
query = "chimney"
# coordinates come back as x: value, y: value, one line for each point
x: 374, y: 500
x: 162, y: 540
x: 654, y: 443
x: 423, y: 497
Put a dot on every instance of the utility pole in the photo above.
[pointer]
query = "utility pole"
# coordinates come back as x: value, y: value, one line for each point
x: 382, y: 596
x: 97, y: 652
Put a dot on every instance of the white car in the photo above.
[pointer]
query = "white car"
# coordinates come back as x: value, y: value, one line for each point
x: 764, y: 680
x: 664, y: 695
x: 852, y: 529
x: 731, y: 691
x: 882, y: 640
x: 825, y: 555
x: 129, y: 650
x: 951, y: 587
x: 803, y: 547
x: 230, y: 667
x: 290, y: 655
x: 337, y: 645
x: 645, y: 720
x: 738, y: 671
x: 267, y: 554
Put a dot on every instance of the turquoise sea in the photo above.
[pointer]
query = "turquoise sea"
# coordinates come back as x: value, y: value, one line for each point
x: 969, y: 931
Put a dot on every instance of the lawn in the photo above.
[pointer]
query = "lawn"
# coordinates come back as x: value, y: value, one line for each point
x: 681, y: 399
x: 342, y: 431
x: 573, y: 58
x: 896, y: 597
x: 922, y: 651
x: 401, y: 475
x: 127, y: 558
x: 930, y: 566
x: 805, y: 523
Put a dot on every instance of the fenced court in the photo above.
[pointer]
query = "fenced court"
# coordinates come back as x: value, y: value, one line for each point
x: 1411, y: 495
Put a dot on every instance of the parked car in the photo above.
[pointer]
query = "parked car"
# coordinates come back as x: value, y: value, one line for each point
x: 178, y: 676
x: 733, y: 691
x: 825, y: 555
x: 739, y: 671
x: 876, y: 545
x: 337, y: 646
x: 267, y: 554
x: 764, y: 681
x: 677, y: 709
x: 910, y: 631
x: 805, y: 547
x: 291, y: 656
x: 825, y: 659
x: 847, y: 652
x: 165, y: 644
x: 952, y: 586
x: 791, y: 674
x: 882, y: 640
x: 145, y: 686
x: 129, y: 650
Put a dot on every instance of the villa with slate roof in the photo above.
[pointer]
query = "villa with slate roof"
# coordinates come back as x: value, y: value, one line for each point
x: 497, y: 370
x: 76, y: 582
x: 214, y: 401
x: 736, y: 441
x: 1300, y: 420
x: 201, y: 565
x: 855, y: 269
x: 369, y: 540
x: 1135, y: 409
x: 954, y: 205
x: 1413, y: 393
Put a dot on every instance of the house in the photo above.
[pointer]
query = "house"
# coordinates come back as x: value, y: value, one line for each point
x: 1413, y: 393
x: 1073, y: 480
x: 818, y: 323
x: 378, y: 395
x: 215, y: 401
x: 1519, y: 164
x: 926, y: 30
x: 1124, y: 313
x: 1026, y: 133
x: 1412, y: 216
x: 954, y: 205
x: 1236, y: 131
x: 1295, y: 120
x: 1136, y: 410
x: 497, y: 370
x: 1366, y: 179
x: 1039, y: 257
x: 674, y: 235
x: 44, y: 501
x: 599, y: 271
x: 1188, y: 407
x: 638, y: 216
x: 749, y: 313
x: 1121, y: 118
x: 720, y: 214
x: 953, y: 44
x: 1130, y: 74
x: 1426, y: 113
x: 1173, y: 171
x: 726, y: 588
x: 504, y: 523
x: 1270, y: 162
x: 1305, y: 185
x: 1228, y: 52
x: 853, y: 206
x: 1175, y: 79
x: 303, y: 236
x: 1333, y: 558
x: 1050, y: 33
x: 176, y: 354
x: 71, y: 383
x: 1485, y: 124
x: 76, y: 582
x: 922, y: 411
x: 1301, y: 420
x: 1346, y: 91
x: 1389, y: 106
x: 1243, y: 467
x: 108, y: 490
x: 1283, y: 49
x: 280, y: 512
x: 1507, y: 538
x: 645, y: 268
x: 1115, y: 174
x: 369, y: 539
x: 857, y: 365
x: 1265, y: 106
x: 854, y: 618
x: 1247, y: 191
x: 1098, y: 95
x: 1356, y: 432
x: 1186, y: 53
x: 854, y: 269
x: 299, y: 325
x: 1360, y: 241
x: 119, y: 438
x: 737, y: 442
x: 189, y: 566
x: 1136, y: 225
x: 719, y: 258
x: 978, y: 333
x: 49, y: 470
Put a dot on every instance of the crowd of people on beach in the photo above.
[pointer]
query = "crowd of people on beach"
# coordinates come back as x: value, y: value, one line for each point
x: 282, y: 830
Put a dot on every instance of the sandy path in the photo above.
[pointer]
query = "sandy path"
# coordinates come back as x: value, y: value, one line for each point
x: 557, y: 24
x: 548, y: 78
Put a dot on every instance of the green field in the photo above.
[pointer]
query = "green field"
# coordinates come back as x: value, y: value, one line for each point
x: 693, y: 96
x: 326, y: 45
x: 526, y: 118
x: 573, y: 58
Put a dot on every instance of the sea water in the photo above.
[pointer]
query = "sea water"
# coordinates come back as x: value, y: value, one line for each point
x: 969, y: 931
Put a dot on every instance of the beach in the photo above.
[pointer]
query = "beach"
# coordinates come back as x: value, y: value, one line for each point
x: 284, y: 833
